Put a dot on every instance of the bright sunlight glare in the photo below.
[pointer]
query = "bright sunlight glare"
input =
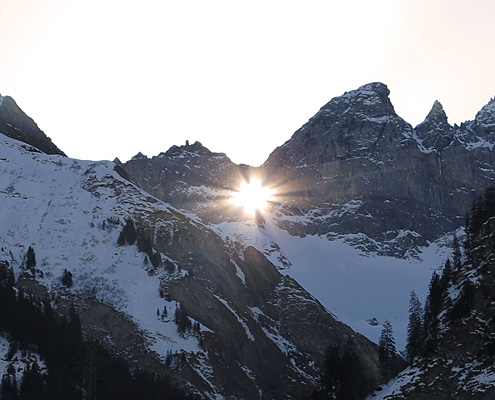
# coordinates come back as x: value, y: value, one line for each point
x: 252, y: 196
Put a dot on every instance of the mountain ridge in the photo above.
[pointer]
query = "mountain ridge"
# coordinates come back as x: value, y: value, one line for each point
x: 256, y: 331
x: 15, y: 124
x: 356, y: 178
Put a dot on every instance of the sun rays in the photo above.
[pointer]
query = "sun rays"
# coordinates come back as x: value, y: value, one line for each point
x: 252, y: 196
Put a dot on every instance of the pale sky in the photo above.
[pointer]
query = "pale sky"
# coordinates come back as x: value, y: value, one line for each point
x: 110, y: 78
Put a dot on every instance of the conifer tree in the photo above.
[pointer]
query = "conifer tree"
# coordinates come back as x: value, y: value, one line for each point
x: 415, y: 338
x: 8, y: 388
x: 67, y: 278
x: 457, y: 255
x: 446, y: 281
x: 464, y: 304
x: 447, y: 273
x: 433, y: 307
x: 386, y: 350
x: 32, y: 383
x: 343, y: 377
x: 31, y: 259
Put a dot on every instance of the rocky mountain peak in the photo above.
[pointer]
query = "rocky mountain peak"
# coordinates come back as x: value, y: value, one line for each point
x: 15, y: 124
x: 359, y: 123
x: 485, y: 118
x: 437, y: 113
x: 195, y: 149
x: 191, y: 164
x: 139, y: 156
x: 371, y: 98
x: 435, y: 132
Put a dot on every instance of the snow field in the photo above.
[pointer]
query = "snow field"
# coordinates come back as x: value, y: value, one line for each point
x: 353, y: 286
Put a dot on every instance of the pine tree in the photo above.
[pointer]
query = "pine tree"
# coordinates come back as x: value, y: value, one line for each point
x: 415, y: 338
x: 433, y: 307
x: 446, y: 281
x: 32, y: 383
x: 457, y: 255
x: 182, y: 320
x: 67, y: 278
x: 464, y: 304
x: 343, y: 375
x: 386, y: 350
x: 31, y: 259
x: 447, y: 273
x: 8, y: 388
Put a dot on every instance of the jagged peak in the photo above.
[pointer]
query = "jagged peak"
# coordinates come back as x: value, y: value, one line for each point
x: 437, y: 106
x: 436, y: 114
x: 486, y: 116
x: 370, y: 89
x: 196, y: 149
x: 139, y: 156
x: 372, y: 98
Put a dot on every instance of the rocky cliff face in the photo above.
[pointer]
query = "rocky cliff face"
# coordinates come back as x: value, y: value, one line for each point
x: 181, y: 301
x: 357, y: 149
x: 15, y: 124
x: 355, y: 168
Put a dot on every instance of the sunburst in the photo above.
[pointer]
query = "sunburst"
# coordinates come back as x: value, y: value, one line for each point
x: 252, y: 196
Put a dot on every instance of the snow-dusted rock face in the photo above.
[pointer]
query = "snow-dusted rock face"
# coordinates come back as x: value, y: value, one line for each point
x: 355, y: 168
x: 357, y: 149
x: 356, y: 179
x: 190, y: 177
x: 357, y: 124
x: 16, y: 124
x: 256, y: 333
x: 434, y: 132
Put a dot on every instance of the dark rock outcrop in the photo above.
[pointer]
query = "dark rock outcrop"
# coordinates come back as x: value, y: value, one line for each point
x: 15, y: 124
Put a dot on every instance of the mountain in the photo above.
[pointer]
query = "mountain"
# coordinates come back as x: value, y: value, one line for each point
x: 159, y: 288
x: 15, y: 124
x: 356, y: 171
x: 361, y: 198
x: 171, y: 275
x: 458, y: 362
x: 406, y: 186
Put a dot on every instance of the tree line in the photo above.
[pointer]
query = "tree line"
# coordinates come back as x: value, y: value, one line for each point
x: 71, y: 361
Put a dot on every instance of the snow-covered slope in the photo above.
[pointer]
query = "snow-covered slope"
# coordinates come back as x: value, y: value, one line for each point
x: 67, y: 210
x: 255, y: 333
x: 361, y: 289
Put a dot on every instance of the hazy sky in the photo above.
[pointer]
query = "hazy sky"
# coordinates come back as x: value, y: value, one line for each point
x: 107, y: 78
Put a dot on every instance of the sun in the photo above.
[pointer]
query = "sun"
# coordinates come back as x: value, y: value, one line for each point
x: 252, y: 196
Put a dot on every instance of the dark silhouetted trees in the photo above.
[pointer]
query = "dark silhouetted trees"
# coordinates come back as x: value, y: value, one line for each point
x: 30, y: 259
x: 415, y: 332
x: 386, y: 351
x: 67, y: 278
x: 343, y: 375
